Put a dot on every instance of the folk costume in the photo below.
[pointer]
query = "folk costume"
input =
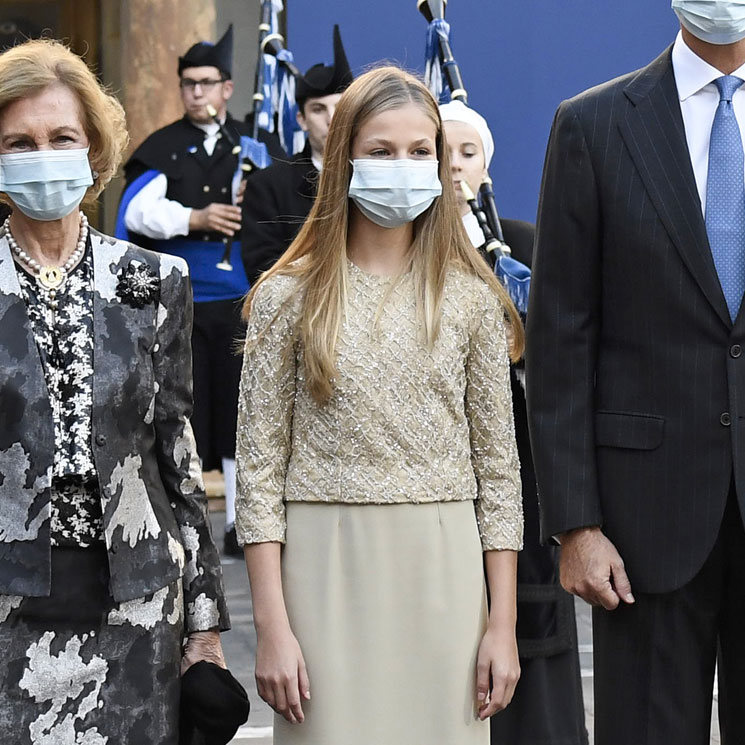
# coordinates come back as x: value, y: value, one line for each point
x: 278, y: 199
x: 181, y: 167
x: 547, y: 706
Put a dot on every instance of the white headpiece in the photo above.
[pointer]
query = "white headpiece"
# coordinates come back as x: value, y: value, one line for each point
x: 457, y: 111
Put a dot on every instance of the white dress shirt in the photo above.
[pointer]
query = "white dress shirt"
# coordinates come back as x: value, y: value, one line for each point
x: 151, y: 214
x: 699, y: 99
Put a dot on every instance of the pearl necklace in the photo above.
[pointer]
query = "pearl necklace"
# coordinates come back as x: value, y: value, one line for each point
x: 50, y: 278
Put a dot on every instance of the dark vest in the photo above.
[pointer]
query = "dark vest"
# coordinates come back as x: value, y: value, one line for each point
x: 195, y: 179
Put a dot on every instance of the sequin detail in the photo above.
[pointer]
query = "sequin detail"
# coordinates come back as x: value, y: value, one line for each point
x: 405, y: 423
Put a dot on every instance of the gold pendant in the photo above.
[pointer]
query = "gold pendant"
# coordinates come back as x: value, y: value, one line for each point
x: 51, y: 277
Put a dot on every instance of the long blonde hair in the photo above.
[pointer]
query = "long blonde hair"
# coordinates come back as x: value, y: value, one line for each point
x: 440, y: 242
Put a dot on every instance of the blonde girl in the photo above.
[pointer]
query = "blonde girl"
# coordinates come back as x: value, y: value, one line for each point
x: 377, y: 467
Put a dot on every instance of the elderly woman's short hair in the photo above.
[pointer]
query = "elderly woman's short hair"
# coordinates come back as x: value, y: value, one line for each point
x: 29, y: 68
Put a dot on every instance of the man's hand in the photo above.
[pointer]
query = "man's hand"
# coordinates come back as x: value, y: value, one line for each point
x: 591, y: 567
x: 224, y: 218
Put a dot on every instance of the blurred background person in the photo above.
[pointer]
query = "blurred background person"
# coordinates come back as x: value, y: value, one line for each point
x: 106, y: 556
x: 181, y: 198
x: 547, y: 706
x: 279, y: 198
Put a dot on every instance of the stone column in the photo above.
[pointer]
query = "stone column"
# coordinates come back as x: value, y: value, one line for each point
x: 154, y: 33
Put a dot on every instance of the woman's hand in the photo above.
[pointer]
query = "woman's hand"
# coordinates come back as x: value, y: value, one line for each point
x: 202, y: 645
x: 498, y: 663
x: 281, y: 677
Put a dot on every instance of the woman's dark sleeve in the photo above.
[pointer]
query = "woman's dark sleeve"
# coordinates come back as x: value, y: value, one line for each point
x: 180, y: 470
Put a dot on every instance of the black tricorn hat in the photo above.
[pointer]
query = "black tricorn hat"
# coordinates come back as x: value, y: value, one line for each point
x: 213, y: 705
x: 322, y: 80
x: 206, y: 54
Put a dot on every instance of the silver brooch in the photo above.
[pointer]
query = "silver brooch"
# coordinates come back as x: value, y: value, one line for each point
x: 138, y: 285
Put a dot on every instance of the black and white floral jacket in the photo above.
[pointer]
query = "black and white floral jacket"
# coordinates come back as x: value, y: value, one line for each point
x: 153, y: 500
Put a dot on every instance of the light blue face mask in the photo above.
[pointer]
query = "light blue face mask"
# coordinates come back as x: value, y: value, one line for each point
x: 394, y: 192
x: 713, y: 21
x: 46, y: 184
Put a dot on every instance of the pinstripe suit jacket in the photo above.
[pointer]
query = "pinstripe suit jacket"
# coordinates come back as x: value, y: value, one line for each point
x: 636, y: 377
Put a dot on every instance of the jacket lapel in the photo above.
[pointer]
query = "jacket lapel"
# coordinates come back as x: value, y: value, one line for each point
x: 115, y: 323
x: 9, y: 284
x: 108, y: 257
x: 655, y: 136
x: 10, y: 294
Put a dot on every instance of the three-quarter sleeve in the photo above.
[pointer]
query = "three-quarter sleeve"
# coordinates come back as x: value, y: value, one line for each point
x: 204, y: 596
x: 489, y: 412
x: 265, y: 409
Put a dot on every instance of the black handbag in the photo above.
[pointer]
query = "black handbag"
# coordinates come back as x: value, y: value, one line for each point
x: 213, y: 705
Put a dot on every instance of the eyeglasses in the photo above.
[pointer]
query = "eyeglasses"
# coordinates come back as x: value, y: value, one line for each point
x: 206, y: 85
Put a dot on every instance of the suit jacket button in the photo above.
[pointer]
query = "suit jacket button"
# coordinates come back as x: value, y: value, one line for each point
x: 725, y: 420
x: 735, y: 350
x: 100, y: 440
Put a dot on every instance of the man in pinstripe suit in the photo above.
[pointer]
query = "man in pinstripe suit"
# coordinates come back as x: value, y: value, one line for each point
x: 636, y: 383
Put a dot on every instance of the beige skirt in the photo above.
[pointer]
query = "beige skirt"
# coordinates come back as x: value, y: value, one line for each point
x: 388, y: 604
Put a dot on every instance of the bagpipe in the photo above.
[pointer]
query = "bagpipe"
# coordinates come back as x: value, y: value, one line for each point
x: 443, y: 77
x: 274, y: 107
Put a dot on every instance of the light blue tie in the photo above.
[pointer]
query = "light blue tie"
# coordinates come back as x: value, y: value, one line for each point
x: 725, y: 197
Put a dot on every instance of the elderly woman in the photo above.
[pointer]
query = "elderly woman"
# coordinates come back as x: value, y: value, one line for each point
x: 106, y: 557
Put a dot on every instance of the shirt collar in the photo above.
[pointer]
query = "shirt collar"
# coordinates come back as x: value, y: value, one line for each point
x: 693, y: 73
x: 209, y: 128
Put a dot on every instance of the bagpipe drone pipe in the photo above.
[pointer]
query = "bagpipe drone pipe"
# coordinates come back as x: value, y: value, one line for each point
x: 274, y: 107
x: 444, y: 79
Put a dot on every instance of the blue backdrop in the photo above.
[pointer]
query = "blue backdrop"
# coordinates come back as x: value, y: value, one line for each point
x: 519, y: 60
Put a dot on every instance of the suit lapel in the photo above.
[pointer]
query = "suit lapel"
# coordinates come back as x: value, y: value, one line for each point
x: 9, y: 284
x: 108, y: 259
x: 10, y: 294
x: 108, y: 255
x: 655, y: 136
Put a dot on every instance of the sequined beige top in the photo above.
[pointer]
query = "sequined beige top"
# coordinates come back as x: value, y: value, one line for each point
x: 405, y: 424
